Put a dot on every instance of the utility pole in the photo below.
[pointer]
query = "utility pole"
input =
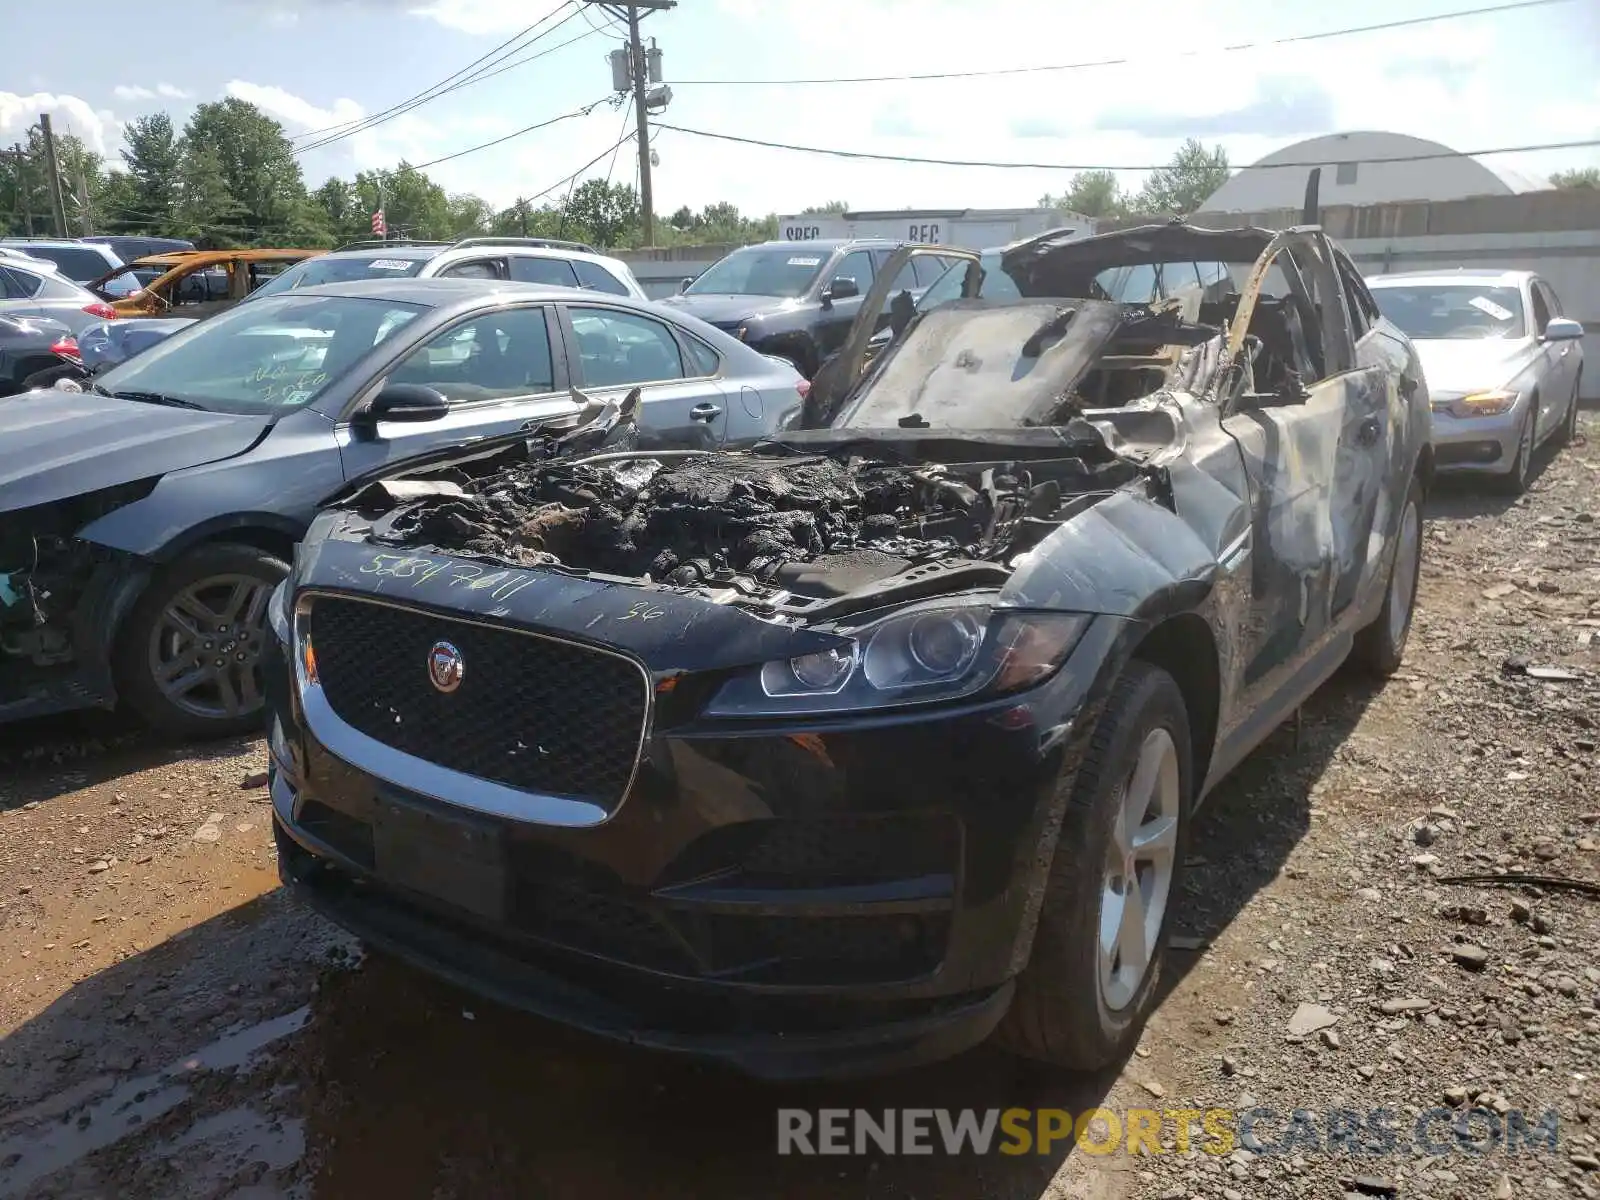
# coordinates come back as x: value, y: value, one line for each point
x: 639, y: 76
x: 85, y: 203
x: 58, y: 202
x: 24, y: 185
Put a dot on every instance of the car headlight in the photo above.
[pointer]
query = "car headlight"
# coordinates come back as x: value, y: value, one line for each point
x: 1489, y: 403
x: 931, y: 652
x: 278, y: 613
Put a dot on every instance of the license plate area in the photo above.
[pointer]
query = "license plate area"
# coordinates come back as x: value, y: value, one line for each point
x: 453, y: 857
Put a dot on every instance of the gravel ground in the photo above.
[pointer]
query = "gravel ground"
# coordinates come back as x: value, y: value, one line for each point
x: 172, y: 1026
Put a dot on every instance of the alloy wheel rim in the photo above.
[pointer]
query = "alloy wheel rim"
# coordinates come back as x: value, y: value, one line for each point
x: 1525, y: 449
x: 1139, y: 868
x: 205, y: 649
x: 1403, y: 579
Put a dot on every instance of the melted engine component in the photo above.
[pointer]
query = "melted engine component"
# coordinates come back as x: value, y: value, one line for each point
x: 814, y: 525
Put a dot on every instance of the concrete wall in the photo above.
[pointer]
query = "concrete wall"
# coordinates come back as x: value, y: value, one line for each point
x: 660, y: 270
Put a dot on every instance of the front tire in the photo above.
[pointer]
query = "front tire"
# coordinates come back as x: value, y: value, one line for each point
x: 1569, y: 427
x: 1515, y: 481
x: 1381, y: 646
x: 1091, y: 983
x: 188, y: 659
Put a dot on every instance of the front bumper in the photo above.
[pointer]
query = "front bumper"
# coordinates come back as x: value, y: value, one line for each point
x: 793, y: 901
x: 1478, y: 444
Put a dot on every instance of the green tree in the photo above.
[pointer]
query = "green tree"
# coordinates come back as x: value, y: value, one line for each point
x: 468, y: 215
x: 206, y: 210
x: 153, y: 159
x: 833, y: 208
x: 1092, y: 193
x: 1578, y: 177
x: 255, y: 160
x: 608, y: 212
x: 413, y: 204
x: 1185, y: 183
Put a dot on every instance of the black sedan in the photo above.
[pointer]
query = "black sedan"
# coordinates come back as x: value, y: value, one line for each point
x: 851, y: 750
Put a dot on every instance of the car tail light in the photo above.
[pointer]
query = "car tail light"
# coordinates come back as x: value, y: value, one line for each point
x: 102, y: 310
x: 803, y: 386
x: 67, y: 348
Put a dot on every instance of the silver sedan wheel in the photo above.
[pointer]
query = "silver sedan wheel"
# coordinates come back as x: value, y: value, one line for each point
x: 1403, y: 578
x: 1140, y: 862
x: 205, y: 651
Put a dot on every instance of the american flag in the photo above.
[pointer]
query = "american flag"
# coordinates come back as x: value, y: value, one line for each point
x: 379, y: 225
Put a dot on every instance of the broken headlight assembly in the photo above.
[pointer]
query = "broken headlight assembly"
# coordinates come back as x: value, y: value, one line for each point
x: 278, y: 613
x: 918, y: 655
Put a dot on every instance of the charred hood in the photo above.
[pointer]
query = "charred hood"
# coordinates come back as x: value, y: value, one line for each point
x: 761, y: 523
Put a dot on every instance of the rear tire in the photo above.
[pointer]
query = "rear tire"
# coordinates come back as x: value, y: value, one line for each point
x: 1083, y: 1000
x: 200, y: 625
x: 1381, y: 646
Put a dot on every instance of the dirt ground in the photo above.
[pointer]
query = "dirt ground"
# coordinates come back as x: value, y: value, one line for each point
x: 173, y: 1026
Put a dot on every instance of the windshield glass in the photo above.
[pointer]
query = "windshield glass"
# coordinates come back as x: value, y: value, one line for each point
x: 975, y: 364
x: 262, y: 359
x: 1452, y: 311
x: 763, y: 271
x: 995, y: 283
x: 330, y: 268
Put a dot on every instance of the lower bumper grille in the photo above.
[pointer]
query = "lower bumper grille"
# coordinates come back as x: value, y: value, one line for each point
x: 530, y: 712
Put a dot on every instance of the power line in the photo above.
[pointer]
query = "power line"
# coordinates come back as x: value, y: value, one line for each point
x: 587, y: 33
x: 610, y: 170
x: 567, y: 116
x: 627, y: 137
x: 311, y: 133
x: 1035, y: 166
x: 473, y: 72
x: 1404, y: 23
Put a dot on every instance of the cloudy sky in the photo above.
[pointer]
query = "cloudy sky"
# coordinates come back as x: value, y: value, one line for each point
x: 1514, y: 78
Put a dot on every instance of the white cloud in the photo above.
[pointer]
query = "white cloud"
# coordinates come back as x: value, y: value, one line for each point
x: 133, y: 92
x: 70, y: 114
x: 477, y: 17
x: 299, y: 114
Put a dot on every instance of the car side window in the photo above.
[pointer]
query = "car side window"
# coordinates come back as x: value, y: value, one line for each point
x: 475, y: 268
x: 19, y: 285
x: 703, y: 360
x: 618, y: 348
x: 494, y: 356
x: 1358, y: 301
x: 857, y: 265
x: 597, y: 279
x: 906, y: 281
x: 1550, y: 297
x: 928, y: 268
x: 553, y: 272
x: 1541, y: 311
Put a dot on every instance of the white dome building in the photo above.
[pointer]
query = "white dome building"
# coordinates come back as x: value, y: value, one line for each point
x: 1354, y: 172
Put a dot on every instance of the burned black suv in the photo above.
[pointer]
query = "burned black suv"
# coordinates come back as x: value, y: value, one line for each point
x: 798, y: 300
x: 847, y: 752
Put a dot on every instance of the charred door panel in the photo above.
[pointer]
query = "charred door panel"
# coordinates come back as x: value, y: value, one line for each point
x: 1291, y: 457
x: 1361, y: 477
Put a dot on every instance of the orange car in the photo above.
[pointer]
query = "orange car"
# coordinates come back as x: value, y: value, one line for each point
x: 196, y: 283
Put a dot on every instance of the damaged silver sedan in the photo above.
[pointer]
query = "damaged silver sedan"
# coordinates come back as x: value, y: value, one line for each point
x: 848, y: 751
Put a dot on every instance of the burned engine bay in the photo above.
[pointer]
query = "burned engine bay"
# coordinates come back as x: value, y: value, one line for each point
x: 752, y: 526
